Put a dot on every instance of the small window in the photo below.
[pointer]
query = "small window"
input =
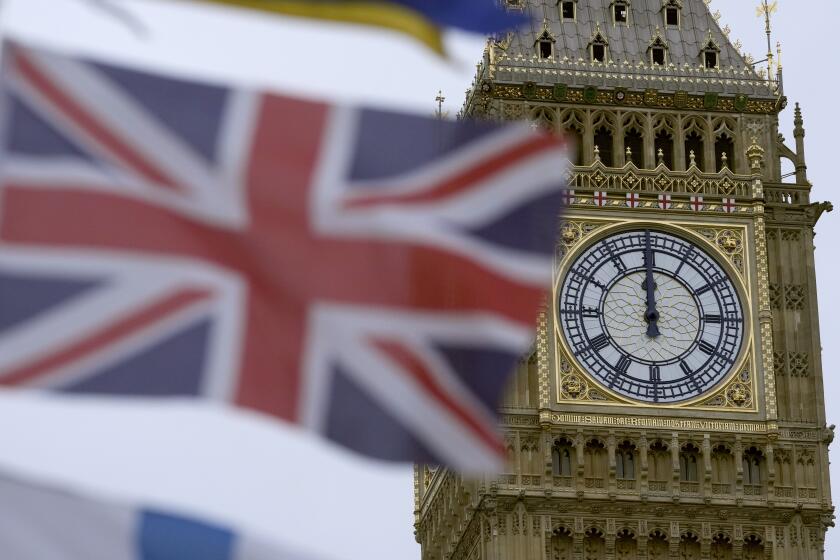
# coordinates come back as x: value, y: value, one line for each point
x: 545, y: 49
x: 658, y: 55
x: 620, y: 13
x: 672, y: 16
x: 711, y: 59
x: 568, y: 10
x: 599, y: 52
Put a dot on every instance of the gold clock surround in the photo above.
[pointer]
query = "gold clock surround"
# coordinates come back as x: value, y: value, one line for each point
x: 737, y: 391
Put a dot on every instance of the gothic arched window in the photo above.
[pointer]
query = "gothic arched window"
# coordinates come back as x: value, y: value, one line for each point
x: 561, y: 544
x: 571, y: 123
x: 658, y: 51
x: 634, y: 144
x: 695, y: 143
x: 753, y: 460
x: 561, y: 459
x: 690, y: 546
x: 753, y: 548
x: 545, y: 45
x: 659, y: 462
x: 689, y: 461
x: 598, y: 46
x: 595, y: 463
x: 721, y: 547
x: 625, y: 461
x: 658, y: 545
x: 663, y: 142
x: 710, y: 54
x: 594, y: 545
x: 626, y: 546
x: 603, y: 127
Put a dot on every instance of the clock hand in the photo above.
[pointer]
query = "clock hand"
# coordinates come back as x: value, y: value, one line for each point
x: 651, y: 315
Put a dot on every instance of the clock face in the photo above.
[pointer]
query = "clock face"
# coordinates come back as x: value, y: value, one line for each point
x: 651, y: 316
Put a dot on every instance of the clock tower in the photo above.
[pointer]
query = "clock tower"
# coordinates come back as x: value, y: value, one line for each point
x: 672, y: 407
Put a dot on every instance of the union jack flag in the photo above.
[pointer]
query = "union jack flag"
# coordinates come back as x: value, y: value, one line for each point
x: 370, y: 276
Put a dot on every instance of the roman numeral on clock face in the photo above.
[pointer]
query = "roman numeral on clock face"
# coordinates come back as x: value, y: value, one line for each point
x: 707, y: 348
x: 655, y: 374
x: 714, y: 319
x: 686, y: 369
x: 600, y: 342
x: 623, y: 365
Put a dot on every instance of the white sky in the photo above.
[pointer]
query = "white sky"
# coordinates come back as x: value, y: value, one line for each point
x: 255, y: 473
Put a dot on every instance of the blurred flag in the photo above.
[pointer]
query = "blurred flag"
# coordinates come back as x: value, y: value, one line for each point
x: 422, y: 19
x: 40, y: 523
x: 370, y: 276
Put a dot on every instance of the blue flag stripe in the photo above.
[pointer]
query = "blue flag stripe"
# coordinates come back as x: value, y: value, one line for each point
x: 166, y: 537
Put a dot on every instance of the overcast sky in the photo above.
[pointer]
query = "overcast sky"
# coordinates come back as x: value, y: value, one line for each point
x: 254, y: 473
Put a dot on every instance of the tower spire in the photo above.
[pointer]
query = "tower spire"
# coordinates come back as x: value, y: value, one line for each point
x: 767, y: 9
x: 440, y: 99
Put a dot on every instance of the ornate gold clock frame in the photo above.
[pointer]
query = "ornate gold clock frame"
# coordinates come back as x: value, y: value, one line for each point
x: 729, y: 243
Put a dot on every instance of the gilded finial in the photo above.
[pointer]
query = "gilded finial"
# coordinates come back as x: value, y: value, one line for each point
x: 755, y: 154
x: 767, y: 9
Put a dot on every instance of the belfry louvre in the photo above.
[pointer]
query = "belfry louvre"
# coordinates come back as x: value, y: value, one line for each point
x: 672, y: 406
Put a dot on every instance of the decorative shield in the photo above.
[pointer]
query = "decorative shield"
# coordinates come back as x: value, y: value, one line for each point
x: 529, y: 89
x: 710, y: 100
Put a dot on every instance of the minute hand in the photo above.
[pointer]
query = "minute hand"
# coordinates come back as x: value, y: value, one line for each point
x: 651, y: 315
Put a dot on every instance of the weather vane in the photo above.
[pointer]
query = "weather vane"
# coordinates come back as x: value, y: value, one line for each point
x: 767, y: 9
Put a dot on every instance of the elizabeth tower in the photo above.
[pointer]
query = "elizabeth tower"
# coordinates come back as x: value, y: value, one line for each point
x: 673, y: 406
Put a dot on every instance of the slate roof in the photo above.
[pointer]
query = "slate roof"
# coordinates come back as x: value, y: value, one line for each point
x: 629, y: 43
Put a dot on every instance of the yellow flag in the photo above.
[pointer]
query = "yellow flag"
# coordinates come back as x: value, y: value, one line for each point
x: 382, y: 14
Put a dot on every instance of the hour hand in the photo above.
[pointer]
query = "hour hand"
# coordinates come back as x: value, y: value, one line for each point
x: 651, y: 314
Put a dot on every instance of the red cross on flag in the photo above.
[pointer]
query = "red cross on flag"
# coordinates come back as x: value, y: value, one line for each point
x: 632, y: 199
x: 697, y: 203
x: 366, y: 275
x: 600, y: 198
x: 729, y: 205
x: 664, y: 201
x: 568, y: 197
